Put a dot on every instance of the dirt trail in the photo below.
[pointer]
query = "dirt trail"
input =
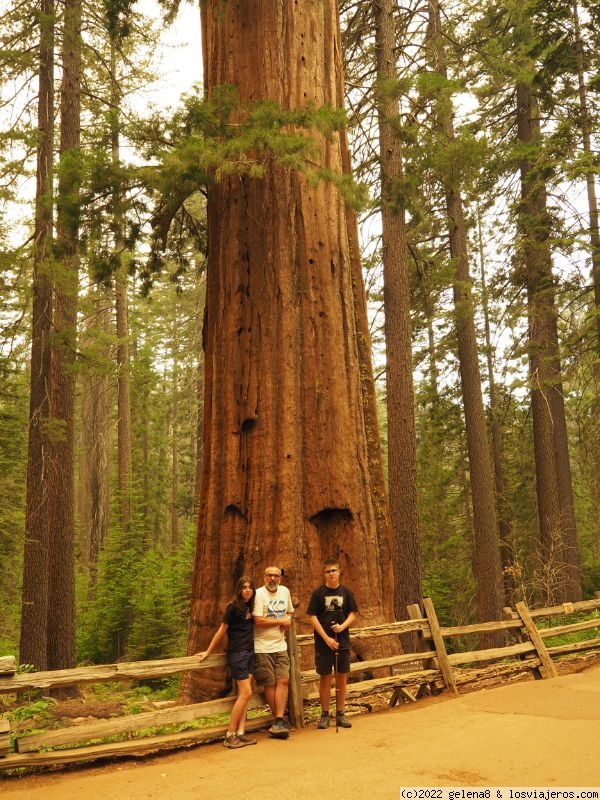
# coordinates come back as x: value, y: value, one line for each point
x: 531, y: 734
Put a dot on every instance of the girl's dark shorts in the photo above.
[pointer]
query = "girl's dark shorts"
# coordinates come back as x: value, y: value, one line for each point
x: 325, y: 661
x: 241, y: 664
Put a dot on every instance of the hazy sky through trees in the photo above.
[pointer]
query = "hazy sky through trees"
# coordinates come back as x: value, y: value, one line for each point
x: 179, y: 59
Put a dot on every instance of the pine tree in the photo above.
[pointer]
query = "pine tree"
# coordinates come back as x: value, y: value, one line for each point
x: 61, y: 500
x: 486, y: 550
x: 34, y: 617
x: 402, y: 456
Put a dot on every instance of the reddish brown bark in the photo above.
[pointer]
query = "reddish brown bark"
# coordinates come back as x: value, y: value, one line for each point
x: 286, y: 475
x: 35, y: 557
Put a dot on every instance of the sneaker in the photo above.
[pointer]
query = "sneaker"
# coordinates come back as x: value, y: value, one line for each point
x: 323, y: 721
x: 342, y: 721
x: 243, y: 737
x: 233, y: 742
x: 279, y: 730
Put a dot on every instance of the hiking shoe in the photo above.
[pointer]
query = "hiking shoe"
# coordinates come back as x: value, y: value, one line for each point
x: 279, y: 730
x: 243, y: 737
x: 342, y: 721
x: 233, y: 742
x: 323, y: 721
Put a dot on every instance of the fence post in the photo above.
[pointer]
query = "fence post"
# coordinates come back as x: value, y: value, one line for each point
x: 440, y: 647
x: 424, y: 646
x: 8, y: 665
x: 4, y: 737
x: 415, y: 611
x: 536, y: 640
x: 295, y: 699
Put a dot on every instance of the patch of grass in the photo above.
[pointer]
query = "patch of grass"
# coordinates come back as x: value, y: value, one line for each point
x: 570, y: 638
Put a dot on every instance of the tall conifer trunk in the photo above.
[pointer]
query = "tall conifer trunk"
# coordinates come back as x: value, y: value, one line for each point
x: 96, y: 419
x: 61, y: 606
x: 175, y: 535
x: 486, y: 548
x: 594, y: 233
x: 121, y: 311
x: 402, y: 440
x: 504, y: 522
x: 590, y: 177
x: 199, y: 387
x: 285, y: 474
x: 34, y: 616
x: 558, y: 534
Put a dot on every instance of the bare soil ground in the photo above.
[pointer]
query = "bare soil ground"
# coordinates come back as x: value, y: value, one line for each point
x: 529, y: 734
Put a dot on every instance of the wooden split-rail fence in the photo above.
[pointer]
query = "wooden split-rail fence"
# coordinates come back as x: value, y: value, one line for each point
x: 431, y: 668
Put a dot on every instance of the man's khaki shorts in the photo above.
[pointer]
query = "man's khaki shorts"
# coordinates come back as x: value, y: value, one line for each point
x: 271, y: 667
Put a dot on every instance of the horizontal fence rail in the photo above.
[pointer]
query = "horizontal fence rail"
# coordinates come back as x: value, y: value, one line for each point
x: 406, y: 675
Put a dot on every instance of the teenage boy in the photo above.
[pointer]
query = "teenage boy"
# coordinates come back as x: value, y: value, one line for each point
x: 332, y: 610
x: 272, y: 615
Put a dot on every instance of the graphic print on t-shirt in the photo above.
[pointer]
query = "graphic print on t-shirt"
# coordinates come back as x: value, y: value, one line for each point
x: 333, y: 603
x: 276, y: 608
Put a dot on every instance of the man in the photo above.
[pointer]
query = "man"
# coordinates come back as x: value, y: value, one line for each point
x: 272, y: 615
x: 332, y: 610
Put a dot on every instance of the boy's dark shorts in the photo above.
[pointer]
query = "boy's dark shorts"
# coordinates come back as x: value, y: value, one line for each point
x: 241, y: 664
x: 325, y: 661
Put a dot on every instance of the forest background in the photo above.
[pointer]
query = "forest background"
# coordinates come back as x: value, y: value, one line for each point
x: 473, y: 128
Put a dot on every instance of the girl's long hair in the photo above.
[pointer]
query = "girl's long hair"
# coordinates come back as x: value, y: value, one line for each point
x: 237, y: 595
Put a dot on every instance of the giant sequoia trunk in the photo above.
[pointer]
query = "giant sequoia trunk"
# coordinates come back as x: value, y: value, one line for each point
x: 285, y: 475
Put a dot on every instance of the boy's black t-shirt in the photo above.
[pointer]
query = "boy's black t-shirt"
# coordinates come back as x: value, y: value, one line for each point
x: 239, y: 630
x: 329, y: 606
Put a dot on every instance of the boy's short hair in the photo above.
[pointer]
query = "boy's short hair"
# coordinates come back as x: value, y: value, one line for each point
x: 331, y: 562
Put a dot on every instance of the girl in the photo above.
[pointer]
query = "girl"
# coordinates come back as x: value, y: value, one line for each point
x: 237, y: 624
